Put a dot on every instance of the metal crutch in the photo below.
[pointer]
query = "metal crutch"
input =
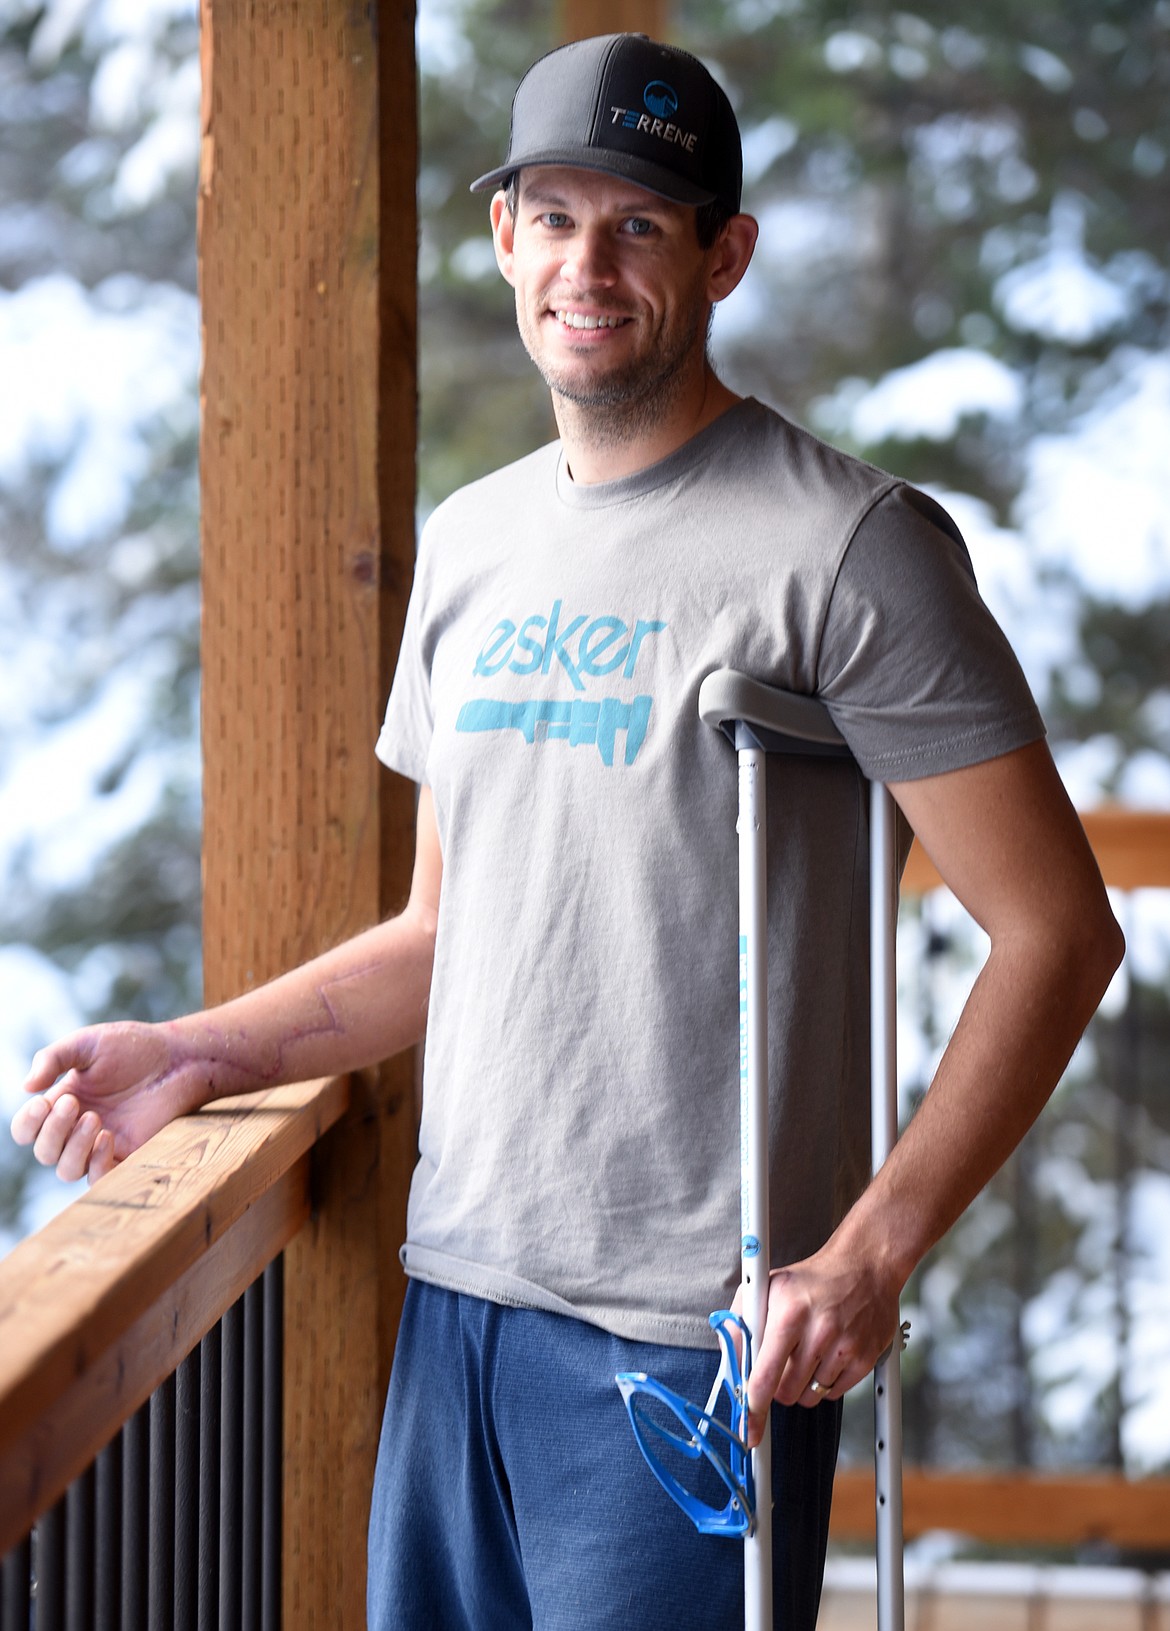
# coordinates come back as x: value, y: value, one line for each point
x: 761, y: 719
x: 883, y: 1051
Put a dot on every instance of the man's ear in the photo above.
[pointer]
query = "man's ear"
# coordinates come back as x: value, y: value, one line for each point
x: 731, y: 255
x: 502, y: 233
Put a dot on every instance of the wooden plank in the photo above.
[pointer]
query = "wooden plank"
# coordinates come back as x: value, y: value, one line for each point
x: 308, y: 282
x: 43, y: 1450
x: 1015, y: 1508
x: 1132, y: 849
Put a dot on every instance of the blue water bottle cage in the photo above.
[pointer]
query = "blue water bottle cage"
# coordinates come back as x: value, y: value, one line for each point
x: 699, y: 1436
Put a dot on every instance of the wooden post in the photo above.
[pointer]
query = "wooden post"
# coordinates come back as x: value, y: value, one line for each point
x: 581, y: 18
x: 308, y: 287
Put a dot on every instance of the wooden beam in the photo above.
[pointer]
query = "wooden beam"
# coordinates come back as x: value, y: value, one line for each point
x: 100, y: 1305
x: 1132, y: 849
x: 294, y: 676
x: 579, y: 19
x: 1015, y: 1508
x: 308, y: 285
x: 1132, y: 846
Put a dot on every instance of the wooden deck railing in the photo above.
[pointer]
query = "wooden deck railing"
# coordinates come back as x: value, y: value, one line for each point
x: 1024, y: 1508
x: 1132, y: 849
x: 103, y: 1303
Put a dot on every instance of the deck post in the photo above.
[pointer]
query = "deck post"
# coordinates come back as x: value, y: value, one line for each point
x: 579, y: 19
x: 308, y: 288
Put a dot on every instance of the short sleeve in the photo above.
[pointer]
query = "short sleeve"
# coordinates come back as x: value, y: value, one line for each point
x: 916, y: 672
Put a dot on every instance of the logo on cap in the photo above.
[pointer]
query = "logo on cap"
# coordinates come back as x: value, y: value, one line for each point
x: 660, y: 99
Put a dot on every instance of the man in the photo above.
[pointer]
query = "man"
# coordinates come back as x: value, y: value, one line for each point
x: 569, y: 939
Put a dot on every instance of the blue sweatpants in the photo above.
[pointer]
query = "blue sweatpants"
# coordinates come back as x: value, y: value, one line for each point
x: 510, y: 1492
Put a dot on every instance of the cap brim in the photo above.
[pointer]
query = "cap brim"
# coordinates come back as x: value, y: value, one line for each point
x: 655, y: 178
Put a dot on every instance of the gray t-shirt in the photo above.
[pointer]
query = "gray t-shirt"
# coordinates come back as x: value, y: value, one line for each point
x: 579, y: 1139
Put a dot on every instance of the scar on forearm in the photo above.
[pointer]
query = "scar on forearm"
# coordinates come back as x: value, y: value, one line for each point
x: 233, y: 1060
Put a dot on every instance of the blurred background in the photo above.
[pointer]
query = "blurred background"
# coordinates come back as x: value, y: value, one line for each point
x: 964, y: 275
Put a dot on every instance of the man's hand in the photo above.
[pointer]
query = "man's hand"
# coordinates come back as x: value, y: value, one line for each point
x: 100, y: 1093
x: 829, y: 1320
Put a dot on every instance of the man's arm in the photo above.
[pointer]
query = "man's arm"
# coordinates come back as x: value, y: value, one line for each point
x: 100, y: 1093
x: 1006, y: 840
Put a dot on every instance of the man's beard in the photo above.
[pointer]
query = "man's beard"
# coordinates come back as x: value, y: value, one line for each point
x: 618, y: 404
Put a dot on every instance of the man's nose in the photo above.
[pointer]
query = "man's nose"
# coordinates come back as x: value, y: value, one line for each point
x: 589, y: 259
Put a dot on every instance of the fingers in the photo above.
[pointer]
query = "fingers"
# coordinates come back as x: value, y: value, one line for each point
x: 29, y: 1119
x: 824, y: 1327
x: 784, y: 1362
x: 57, y: 1128
x: 102, y: 1160
x: 62, y: 1133
x: 63, y: 1136
x: 806, y: 1382
x: 74, y: 1160
x: 50, y: 1077
x: 822, y: 1370
x: 819, y: 1389
x: 46, y: 1067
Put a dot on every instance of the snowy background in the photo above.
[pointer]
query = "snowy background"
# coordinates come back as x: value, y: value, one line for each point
x: 99, y: 763
x: 99, y: 360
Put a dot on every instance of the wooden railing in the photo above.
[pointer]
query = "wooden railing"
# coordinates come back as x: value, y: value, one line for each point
x: 103, y: 1303
x: 1026, y: 1509
x: 1132, y: 849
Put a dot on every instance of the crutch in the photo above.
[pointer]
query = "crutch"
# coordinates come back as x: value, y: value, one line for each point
x: 758, y: 720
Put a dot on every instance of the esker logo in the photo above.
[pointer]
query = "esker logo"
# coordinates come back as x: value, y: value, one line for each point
x: 584, y: 648
x: 660, y: 99
x: 581, y: 649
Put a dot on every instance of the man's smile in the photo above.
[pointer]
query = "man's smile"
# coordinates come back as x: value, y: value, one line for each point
x: 588, y: 320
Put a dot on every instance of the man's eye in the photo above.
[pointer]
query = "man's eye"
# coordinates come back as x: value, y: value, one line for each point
x: 554, y: 218
x: 638, y: 226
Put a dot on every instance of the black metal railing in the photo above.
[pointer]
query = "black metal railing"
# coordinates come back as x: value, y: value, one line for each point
x: 176, y: 1526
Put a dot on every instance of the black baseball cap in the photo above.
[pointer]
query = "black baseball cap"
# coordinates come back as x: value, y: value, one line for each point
x: 626, y: 105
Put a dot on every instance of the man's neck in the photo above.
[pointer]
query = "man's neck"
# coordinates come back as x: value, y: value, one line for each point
x: 603, y: 444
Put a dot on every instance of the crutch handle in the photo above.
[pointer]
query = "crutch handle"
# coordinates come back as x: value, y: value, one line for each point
x: 779, y: 721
